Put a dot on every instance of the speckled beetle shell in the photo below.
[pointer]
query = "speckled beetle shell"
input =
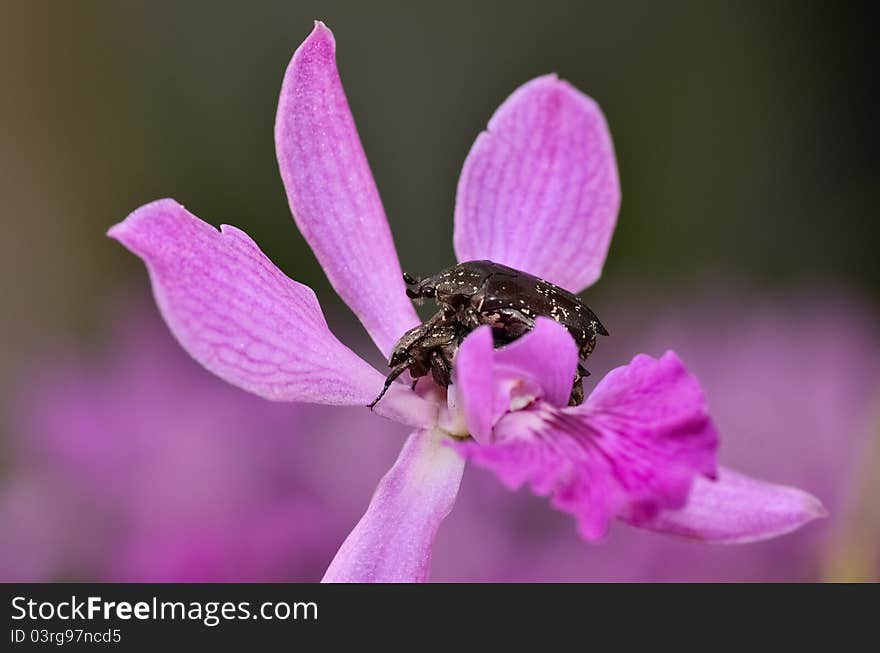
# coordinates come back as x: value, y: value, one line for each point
x: 477, y: 293
x: 483, y: 292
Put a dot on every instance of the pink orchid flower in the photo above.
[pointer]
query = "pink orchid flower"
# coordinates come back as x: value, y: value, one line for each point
x: 539, y: 192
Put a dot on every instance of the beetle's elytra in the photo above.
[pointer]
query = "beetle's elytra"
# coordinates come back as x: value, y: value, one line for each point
x: 475, y: 293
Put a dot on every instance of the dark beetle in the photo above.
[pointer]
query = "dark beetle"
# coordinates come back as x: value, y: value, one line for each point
x: 475, y: 293
x: 428, y: 347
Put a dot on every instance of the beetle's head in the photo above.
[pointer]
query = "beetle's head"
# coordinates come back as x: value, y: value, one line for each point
x: 398, y: 356
x: 421, y: 289
x: 416, y: 362
x: 403, y: 348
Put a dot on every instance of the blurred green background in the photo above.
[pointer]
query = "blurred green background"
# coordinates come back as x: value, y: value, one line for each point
x: 744, y: 134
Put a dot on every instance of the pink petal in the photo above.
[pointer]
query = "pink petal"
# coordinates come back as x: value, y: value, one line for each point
x: 658, y: 398
x: 736, y: 509
x: 332, y: 193
x: 392, y: 542
x: 547, y: 354
x: 541, y: 363
x: 632, y: 449
x: 539, y: 190
x: 474, y: 387
x: 243, y: 319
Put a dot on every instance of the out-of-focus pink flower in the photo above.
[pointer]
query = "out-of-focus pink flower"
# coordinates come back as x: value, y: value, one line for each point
x: 539, y: 192
x: 136, y: 464
x: 88, y: 494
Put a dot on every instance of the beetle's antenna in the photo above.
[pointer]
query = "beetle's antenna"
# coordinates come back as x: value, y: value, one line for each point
x: 409, y: 280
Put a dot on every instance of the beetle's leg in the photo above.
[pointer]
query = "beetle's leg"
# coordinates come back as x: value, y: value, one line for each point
x: 577, y: 393
x: 396, y: 371
x: 588, y: 348
x: 441, y: 370
x: 508, y: 324
x: 439, y: 338
x: 470, y: 318
x: 577, y: 390
x: 470, y: 313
